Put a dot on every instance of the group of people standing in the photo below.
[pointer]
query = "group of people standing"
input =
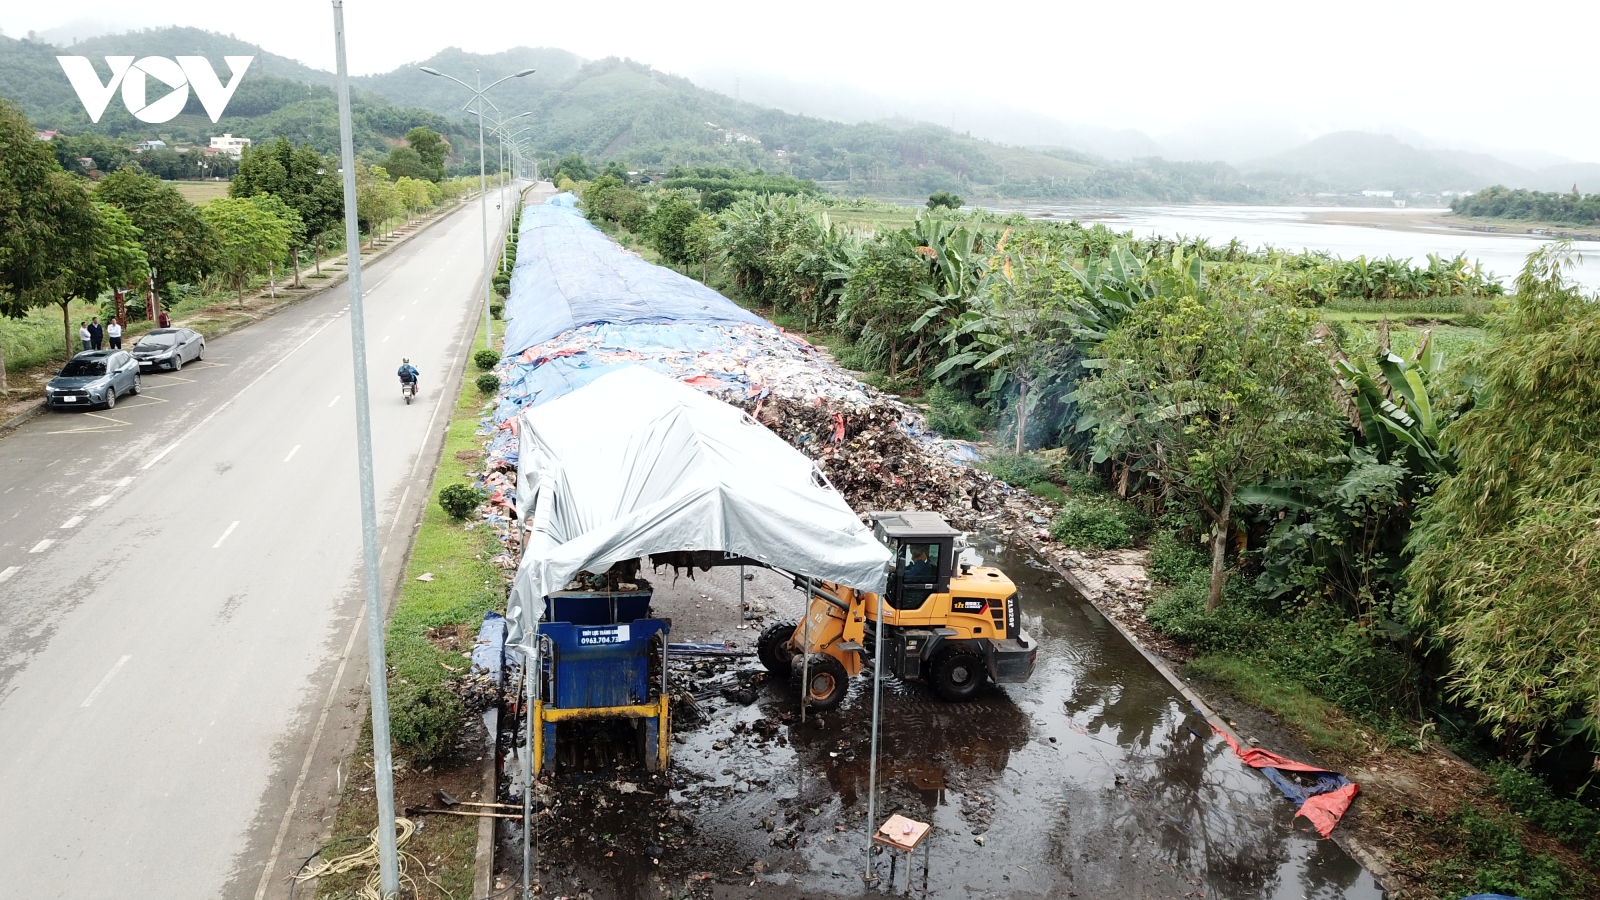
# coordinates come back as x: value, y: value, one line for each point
x: 93, y: 335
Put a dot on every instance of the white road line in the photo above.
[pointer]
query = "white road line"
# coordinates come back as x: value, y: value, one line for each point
x: 386, y: 339
x: 338, y: 675
x: 9, y: 571
x: 105, y: 681
x: 99, y: 501
x: 72, y: 522
x: 292, y: 453
x: 42, y: 546
x: 225, y: 535
x: 332, y: 402
x: 125, y: 482
x: 228, y: 402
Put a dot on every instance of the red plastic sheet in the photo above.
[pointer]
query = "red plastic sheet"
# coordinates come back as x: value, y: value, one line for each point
x: 1323, y: 810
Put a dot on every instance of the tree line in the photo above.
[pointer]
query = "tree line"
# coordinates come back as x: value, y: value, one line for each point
x: 1397, y: 532
x: 65, y: 238
x: 1501, y: 202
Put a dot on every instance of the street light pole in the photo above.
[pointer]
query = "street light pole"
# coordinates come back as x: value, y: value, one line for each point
x: 377, y: 659
x: 483, y: 187
x: 483, y: 207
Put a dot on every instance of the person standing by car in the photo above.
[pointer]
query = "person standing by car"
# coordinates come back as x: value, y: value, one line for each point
x: 96, y: 333
x: 114, y: 334
x: 84, y: 335
x: 163, y: 321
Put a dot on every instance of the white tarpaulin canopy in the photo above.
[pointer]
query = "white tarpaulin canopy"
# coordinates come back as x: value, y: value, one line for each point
x: 637, y: 463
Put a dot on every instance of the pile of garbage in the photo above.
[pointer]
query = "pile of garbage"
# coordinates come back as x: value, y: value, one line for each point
x: 581, y: 306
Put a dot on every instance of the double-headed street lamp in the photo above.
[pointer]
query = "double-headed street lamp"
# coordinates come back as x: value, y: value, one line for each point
x: 483, y: 184
x: 499, y: 130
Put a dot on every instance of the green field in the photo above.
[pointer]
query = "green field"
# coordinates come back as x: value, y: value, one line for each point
x: 201, y: 192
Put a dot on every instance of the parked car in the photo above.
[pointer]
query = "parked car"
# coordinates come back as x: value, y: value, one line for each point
x: 169, y: 348
x: 94, y: 378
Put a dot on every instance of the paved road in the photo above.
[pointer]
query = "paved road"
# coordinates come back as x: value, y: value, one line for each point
x: 180, y: 591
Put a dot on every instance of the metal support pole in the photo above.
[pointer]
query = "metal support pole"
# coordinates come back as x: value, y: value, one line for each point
x: 377, y: 660
x: 744, y: 611
x: 530, y: 674
x: 805, y: 653
x: 872, y: 759
x: 483, y: 189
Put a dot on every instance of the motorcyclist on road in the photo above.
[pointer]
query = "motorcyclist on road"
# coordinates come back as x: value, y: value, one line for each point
x: 408, y: 373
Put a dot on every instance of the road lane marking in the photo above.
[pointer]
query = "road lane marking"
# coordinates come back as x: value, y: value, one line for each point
x: 386, y: 339
x: 42, y: 546
x: 72, y: 522
x: 333, y: 401
x: 229, y: 402
x: 124, y: 482
x: 5, y: 575
x: 105, y: 681
x: 292, y: 453
x: 99, y: 501
x: 225, y: 535
x: 344, y: 660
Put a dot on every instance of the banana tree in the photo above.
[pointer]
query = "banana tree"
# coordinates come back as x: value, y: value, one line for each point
x: 1396, y: 413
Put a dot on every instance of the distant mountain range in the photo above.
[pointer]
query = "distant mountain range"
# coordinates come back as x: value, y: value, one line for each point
x: 851, y: 141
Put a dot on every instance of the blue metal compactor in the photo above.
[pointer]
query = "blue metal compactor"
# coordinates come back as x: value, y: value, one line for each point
x: 597, y: 652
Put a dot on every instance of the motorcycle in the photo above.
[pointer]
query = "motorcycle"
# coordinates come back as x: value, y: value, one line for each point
x: 408, y: 389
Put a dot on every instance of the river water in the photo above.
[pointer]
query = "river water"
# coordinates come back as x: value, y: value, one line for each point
x: 1402, y: 233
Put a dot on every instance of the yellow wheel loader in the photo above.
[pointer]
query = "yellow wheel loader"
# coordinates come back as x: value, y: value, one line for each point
x: 945, y: 623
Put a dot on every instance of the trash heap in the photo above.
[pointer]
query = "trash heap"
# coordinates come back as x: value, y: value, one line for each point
x: 580, y: 306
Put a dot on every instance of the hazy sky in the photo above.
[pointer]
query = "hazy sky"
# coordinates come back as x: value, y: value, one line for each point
x: 1505, y: 74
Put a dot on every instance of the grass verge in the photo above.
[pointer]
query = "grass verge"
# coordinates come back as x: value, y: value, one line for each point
x: 1324, y: 726
x: 431, y: 627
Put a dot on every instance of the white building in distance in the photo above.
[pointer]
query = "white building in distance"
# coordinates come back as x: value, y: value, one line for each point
x: 233, y: 146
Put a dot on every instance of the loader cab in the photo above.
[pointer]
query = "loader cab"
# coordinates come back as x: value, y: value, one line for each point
x: 923, y: 545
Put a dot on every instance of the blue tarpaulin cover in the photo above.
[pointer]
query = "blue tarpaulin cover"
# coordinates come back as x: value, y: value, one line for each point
x: 568, y: 273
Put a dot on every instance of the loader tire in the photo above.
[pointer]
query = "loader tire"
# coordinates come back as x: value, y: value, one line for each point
x: 771, y: 651
x: 958, y: 675
x: 825, y: 684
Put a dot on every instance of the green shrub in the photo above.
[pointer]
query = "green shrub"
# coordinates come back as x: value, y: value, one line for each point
x: 1179, y: 611
x: 1015, y: 469
x: 1091, y: 525
x: 459, y: 500
x: 1172, y: 558
x: 487, y: 382
x: 1567, y: 821
x: 1489, y: 856
x: 953, y: 416
x: 1077, y: 481
x: 424, y: 719
x: 1048, y: 491
x: 497, y: 308
x: 485, y: 359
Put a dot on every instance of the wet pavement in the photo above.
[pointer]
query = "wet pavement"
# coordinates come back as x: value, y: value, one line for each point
x: 1095, y: 779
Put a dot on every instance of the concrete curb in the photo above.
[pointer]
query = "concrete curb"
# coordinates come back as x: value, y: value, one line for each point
x: 1356, y: 849
x: 41, y: 406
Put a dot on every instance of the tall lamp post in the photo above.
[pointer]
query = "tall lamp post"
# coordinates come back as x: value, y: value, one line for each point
x: 377, y: 659
x: 500, y: 129
x: 483, y: 185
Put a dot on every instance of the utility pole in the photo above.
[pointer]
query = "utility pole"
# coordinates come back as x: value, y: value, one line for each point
x: 483, y: 187
x: 377, y: 659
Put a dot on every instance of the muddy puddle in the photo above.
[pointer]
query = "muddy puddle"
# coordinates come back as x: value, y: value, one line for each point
x: 1095, y: 779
